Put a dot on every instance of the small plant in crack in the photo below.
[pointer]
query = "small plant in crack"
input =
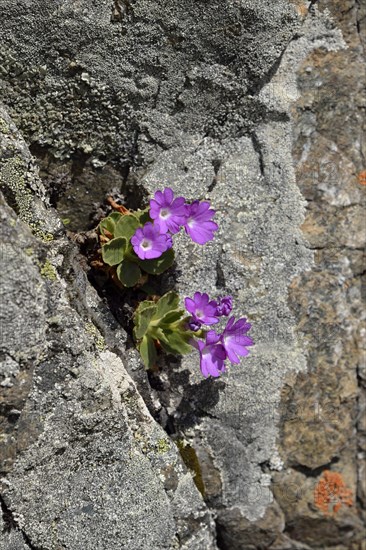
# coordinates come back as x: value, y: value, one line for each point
x: 138, y: 244
x: 164, y: 324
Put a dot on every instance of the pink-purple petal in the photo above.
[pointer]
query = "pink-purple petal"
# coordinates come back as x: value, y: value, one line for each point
x: 235, y: 339
x: 159, y: 242
x: 159, y: 197
x: 190, y: 305
x: 212, y: 360
x: 171, y: 213
x: 201, y: 309
x: 168, y: 195
x: 212, y: 337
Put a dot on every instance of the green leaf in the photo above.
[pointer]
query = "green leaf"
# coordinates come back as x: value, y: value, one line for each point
x: 109, y: 223
x: 113, y: 252
x: 126, y: 227
x: 128, y: 273
x: 143, y: 305
x: 167, y: 303
x: 171, y: 317
x: 142, y: 216
x: 159, y: 265
x: 175, y: 342
x: 142, y: 320
x: 148, y: 352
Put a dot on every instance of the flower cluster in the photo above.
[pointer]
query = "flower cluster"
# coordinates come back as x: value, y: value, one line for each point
x: 169, y: 214
x: 216, y: 348
x: 136, y: 244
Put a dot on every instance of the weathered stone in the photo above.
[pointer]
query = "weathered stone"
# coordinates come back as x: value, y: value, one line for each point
x: 91, y: 472
x: 240, y: 534
x: 84, y: 83
x: 124, y: 97
x: 320, y: 409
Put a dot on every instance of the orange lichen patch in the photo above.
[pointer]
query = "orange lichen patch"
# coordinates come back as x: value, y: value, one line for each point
x: 362, y: 177
x: 331, y: 492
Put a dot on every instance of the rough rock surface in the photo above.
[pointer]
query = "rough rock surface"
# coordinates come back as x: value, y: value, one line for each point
x: 324, y: 427
x: 95, y: 471
x: 126, y: 96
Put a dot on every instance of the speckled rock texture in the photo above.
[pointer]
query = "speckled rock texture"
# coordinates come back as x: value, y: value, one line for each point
x: 326, y: 426
x: 88, y: 466
x: 259, y: 107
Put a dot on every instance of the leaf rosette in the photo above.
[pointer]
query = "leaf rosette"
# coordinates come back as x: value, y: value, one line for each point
x: 161, y: 323
x: 116, y: 232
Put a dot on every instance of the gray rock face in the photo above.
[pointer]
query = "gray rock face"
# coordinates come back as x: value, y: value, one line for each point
x: 131, y: 96
x: 95, y: 470
x: 126, y: 72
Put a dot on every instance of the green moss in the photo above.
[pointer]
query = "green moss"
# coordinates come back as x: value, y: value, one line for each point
x: 29, y: 251
x: 45, y: 237
x: 190, y: 459
x: 48, y: 271
x: 100, y: 343
x: 12, y: 180
x: 98, y: 338
x: 19, y: 196
x: 4, y: 128
x: 163, y: 446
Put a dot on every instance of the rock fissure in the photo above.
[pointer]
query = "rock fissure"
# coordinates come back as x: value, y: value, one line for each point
x: 10, y: 523
x: 258, y: 150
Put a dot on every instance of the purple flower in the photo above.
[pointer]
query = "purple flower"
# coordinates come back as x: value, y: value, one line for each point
x: 235, y: 340
x: 202, y: 309
x: 198, y: 224
x: 149, y: 243
x: 170, y: 214
x: 212, y: 355
x: 224, y: 306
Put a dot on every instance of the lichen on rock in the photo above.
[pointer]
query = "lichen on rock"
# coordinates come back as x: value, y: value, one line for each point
x: 125, y: 98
